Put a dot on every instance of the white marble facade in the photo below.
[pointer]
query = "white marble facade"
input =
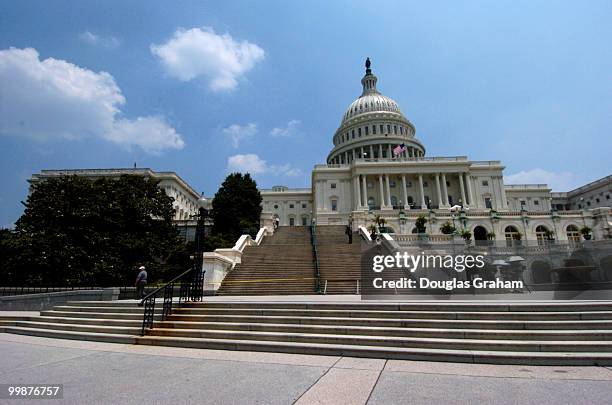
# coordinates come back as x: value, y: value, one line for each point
x: 364, y: 177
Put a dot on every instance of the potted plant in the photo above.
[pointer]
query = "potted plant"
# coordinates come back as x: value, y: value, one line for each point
x: 372, y: 228
x: 381, y: 225
x: 447, y: 228
x: 467, y: 236
x: 491, y: 235
x: 549, y: 235
x: 420, y: 226
x: 586, y: 232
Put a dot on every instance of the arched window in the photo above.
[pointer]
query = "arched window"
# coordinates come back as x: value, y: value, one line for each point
x: 573, y: 234
x: 512, y: 234
x: 542, y: 233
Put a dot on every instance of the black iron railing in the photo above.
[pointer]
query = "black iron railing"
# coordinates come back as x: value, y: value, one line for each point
x: 191, y: 289
x: 24, y: 290
x: 315, y: 256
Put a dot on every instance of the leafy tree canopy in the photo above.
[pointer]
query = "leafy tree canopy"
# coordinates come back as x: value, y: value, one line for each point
x: 78, y: 231
x: 236, y: 207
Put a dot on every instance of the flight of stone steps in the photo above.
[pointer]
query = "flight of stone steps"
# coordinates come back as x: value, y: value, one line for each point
x: 554, y: 333
x: 339, y: 261
x: 282, y: 265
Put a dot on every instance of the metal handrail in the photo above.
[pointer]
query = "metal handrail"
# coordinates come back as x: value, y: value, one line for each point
x: 313, y: 241
x: 190, y: 290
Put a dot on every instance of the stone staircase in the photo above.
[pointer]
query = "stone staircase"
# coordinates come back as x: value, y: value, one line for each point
x: 553, y: 333
x: 281, y: 265
x: 339, y: 261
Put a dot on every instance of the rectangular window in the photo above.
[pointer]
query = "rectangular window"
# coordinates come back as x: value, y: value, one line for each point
x: 401, y: 130
x: 523, y: 203
x: 291, y: 221
x: 391, y: 183
x: 395, y: 129
x: 334, y: 204
x: 367, y: 131
x: 333, y: 185
x: 425, y: 184
x: 536, y: 202
x: 373, y: 129
x: 488, y: 203
x: 408, y: 184
x: 303, y: 205
x: 359, y: 131
x: 388, y: 128
x: 304, y: 221
x: 381, y: 128
x: 291, y: 206
x: 485, y: 182
x: 353, y: 133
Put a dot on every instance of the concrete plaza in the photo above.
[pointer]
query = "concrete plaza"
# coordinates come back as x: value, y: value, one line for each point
x: 94, y: 373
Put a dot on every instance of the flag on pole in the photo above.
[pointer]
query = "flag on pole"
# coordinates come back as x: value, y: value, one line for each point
x: 399, y: 149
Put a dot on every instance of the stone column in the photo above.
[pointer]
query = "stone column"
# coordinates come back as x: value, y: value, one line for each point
x: 468, y: 180
x: 423, y: 205
x: 380, y: 151
x: 390, y: 153
x: 353, y: 150
x: 503, y: 193
x: 365, y: 190
x: 439, y: 195
x: 371, y: 152
x: 388, y: 192
x: 382, y: 193
x: 461, y: 186
x: 357, y: 191
x: 405, y: 190
x: 444, y: 190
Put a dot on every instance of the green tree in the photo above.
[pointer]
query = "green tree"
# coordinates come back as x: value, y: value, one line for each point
x: 77, y: 231
x: 236, y: 207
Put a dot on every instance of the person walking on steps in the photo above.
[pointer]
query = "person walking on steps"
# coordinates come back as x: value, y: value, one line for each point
x: 141, y: 282
x: 349, y: 233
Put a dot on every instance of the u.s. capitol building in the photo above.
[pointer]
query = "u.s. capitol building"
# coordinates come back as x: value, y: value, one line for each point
x: 366, y: 174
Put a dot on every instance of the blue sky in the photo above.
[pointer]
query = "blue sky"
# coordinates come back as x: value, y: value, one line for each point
x: 200, y: 88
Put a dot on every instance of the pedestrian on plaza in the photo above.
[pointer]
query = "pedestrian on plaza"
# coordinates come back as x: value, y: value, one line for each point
x: 141, y: 282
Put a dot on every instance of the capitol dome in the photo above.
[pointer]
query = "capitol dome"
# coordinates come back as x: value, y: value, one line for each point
x: 372, y: 126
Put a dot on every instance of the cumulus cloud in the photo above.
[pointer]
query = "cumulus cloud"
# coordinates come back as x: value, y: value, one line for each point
x: 561, y: 181
x: 238, y: 133
x: 196, y: 52
x: 286, y: 131
x: 98, y: 40
x: 53, y: 98
x: 251, y: 163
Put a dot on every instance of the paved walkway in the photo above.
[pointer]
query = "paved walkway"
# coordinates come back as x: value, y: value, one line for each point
x: 96, y: 373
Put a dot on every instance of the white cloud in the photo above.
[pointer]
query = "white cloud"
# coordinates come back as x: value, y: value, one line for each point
x: 93, y: 39
x: 238, y: 133
x: 152, y: 134
x: 201, y: 52
x: 561, y: 181
x: 251, y: 163
x: 289, y: 130
x: 53, y: 98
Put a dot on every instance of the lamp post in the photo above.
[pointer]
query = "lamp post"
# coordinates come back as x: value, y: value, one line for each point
x: 582, y: 211
x: 402, y: 221
x: 554, y: 217
x: 525, y: 220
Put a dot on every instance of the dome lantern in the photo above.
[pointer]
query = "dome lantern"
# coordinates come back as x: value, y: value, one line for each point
x: 369, y: 80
